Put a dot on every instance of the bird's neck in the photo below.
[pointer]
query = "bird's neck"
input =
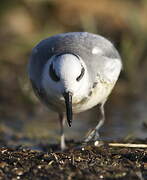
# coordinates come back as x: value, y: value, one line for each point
x: 83, y: 90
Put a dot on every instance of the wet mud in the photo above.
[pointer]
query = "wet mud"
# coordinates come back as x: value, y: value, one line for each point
x: 88, y: 162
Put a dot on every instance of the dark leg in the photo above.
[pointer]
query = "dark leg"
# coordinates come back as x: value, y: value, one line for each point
x: 94, y: 135
x: 62, y: 141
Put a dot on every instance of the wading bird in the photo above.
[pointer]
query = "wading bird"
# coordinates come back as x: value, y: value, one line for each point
x: 73, y: 72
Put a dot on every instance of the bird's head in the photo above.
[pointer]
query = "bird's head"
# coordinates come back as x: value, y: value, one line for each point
x: 66, y: 75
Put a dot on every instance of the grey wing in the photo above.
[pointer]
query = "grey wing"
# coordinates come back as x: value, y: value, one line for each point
x: 40, y: 55
x: 103, y: 60
x: 99, y: 55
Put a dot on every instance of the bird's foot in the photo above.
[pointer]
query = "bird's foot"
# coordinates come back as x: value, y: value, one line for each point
x: 93, y: 136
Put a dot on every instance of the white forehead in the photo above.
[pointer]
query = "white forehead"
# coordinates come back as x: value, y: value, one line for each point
x: 67, y: 65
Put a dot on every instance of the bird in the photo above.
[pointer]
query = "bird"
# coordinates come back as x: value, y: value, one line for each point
x: 73, y: 72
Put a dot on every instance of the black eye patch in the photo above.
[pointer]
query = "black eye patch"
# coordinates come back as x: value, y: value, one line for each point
x: 81, y: 75
x: 53, y: 74
x: 60, y: 54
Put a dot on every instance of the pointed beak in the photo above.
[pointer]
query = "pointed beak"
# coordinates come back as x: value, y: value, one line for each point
x: 68, y: 103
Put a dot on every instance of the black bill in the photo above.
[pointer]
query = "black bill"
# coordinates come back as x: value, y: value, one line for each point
x: 68, y: 103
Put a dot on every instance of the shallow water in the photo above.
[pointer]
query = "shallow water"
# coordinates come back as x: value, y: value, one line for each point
x: 123, y: 119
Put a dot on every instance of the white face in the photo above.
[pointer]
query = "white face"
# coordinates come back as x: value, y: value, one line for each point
x: 66, y: 73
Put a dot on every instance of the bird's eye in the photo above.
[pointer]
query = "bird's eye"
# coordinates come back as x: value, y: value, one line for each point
x: 53, y: 74
x: 81, y: 75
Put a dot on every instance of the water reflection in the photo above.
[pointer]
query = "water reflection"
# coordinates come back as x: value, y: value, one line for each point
x: 126, y: 120
x: 122, y: 120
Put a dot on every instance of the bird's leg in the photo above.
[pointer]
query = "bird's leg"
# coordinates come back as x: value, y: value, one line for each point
x: 62, y: 140
x: 94, y: 135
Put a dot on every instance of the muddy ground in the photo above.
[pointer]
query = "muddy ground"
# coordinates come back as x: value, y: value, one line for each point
x: 89, y: 162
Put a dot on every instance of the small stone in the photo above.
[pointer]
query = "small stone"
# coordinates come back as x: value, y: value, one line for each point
x: 145, y: 166
x: 3, y: 151
x: 18, y: 171
x: 83, y: 148
x: 101, y: 176
x: 39, y: 166
x: 98, y: 143
x: 3, y: 164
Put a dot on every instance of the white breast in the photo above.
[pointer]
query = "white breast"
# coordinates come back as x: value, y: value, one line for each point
x: 98, y: 95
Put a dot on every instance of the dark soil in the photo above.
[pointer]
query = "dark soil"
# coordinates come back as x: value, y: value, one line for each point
x: 90, y: 162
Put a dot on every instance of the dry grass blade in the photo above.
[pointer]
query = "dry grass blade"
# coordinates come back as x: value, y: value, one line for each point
x: 128, y: 145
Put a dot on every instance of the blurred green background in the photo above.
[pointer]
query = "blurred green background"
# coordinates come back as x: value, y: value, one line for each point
x: 23, y: 23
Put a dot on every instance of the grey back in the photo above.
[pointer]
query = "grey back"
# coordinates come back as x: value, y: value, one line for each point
x: 80, y: 43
